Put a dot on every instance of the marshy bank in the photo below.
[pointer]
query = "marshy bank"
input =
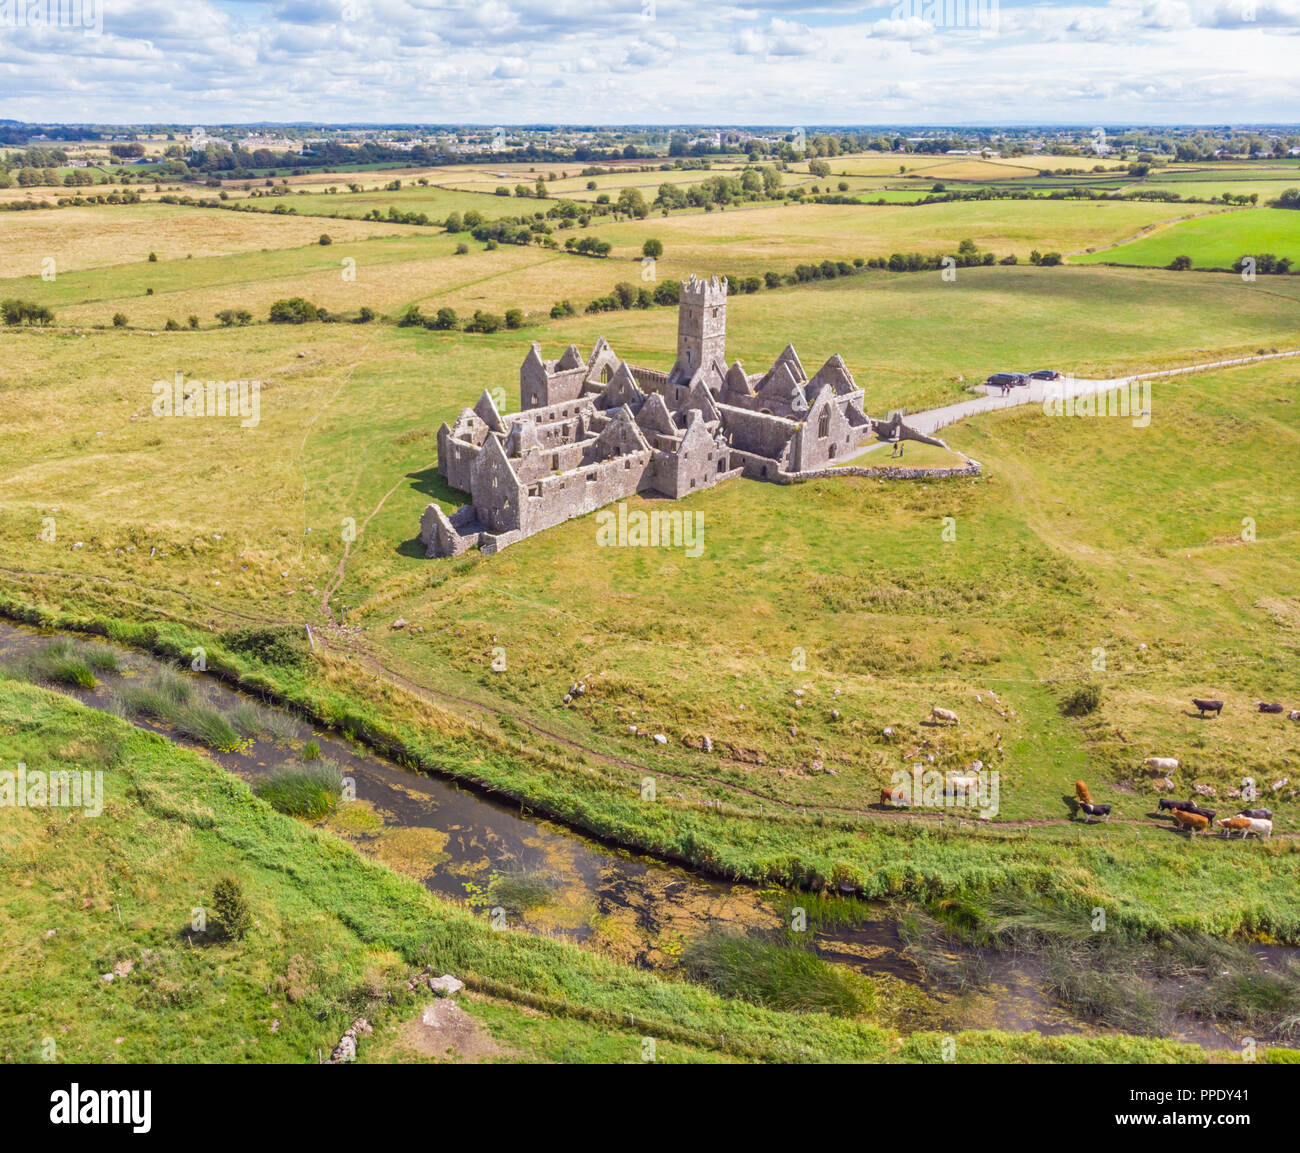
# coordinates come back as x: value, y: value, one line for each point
x: 847, y: 956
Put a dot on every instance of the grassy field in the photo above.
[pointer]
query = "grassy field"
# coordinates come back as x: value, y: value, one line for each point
x: 1081, y: 536
x: 1214, y: 241
x: 114, y: 235
x: 883, y: 609
x: 104, y: 964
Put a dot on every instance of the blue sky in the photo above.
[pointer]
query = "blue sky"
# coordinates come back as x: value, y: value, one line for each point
x: 653, y: 61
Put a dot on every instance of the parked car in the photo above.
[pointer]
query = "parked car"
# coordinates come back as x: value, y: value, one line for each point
x: 998, y: 379
x: 1045, y: 374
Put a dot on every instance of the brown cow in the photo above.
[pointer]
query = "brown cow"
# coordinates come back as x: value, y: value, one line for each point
x: 1081, y: 791
x: 894, y: 798
x: 1193, y: 822
x: 1231, y: 825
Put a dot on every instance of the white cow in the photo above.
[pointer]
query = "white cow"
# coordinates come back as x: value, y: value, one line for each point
x: 1260, y: 828
x: 1161, y: 765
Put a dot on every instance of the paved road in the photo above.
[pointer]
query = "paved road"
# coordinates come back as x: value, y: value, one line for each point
x: 930, y: 421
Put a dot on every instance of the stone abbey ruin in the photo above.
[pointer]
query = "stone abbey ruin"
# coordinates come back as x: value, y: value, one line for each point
x: 595, y: 431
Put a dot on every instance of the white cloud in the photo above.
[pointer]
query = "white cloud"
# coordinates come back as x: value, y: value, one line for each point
x: 741, y: 61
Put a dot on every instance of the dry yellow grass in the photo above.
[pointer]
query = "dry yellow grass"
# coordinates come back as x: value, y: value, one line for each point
x: 122, y: 234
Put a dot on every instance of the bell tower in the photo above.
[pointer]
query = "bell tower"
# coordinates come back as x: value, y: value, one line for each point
x: 701, y: 326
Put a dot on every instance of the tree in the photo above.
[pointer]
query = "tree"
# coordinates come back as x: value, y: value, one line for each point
x: 230, y: 908
x: 445, y: 320
x: 227, y: 317
x: 1180, y: 263
x: 1050, y: 258
x: 454, y: 223
x: 1289, y: 199
x: 514, y: 318
x: 819, y: 167
x: 632, y: 203
x: 653, y: 248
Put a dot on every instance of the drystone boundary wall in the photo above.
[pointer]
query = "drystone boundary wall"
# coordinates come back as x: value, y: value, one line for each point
x: 971, y: 468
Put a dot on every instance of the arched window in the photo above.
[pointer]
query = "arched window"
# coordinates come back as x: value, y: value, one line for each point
x: 824, y: 425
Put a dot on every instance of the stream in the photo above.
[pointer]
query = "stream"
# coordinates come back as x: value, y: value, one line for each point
x: 631, y: 907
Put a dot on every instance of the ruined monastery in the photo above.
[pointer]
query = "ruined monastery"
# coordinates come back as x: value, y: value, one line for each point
x: 598, y: 430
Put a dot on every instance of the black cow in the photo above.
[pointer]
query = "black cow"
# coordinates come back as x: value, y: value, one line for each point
x: 1181, y: 806
x: 1215, y: 707
x: 1102, y: 811
x: 1258, y: 814
x: 1263, y: 708
x: 1194, y: 808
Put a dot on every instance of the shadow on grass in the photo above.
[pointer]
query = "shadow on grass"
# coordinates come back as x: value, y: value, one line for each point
x: 429, y: 482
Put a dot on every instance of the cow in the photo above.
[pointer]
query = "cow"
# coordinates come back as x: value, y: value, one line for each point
x: 1260, y: 828
x: 1164, y: 804
x: 1229, y: 825
x: 1161, y: 765
x: 1215, y: 707
x: 1258, y: 814
x: 894, y: 798
x: 1102, y: 811
x: 1081, y: 791
x: 1263, y: 708
x: 946, y: 715
x: 1293, y: 715
x: 1193, y: 822
x: 1208, y: 814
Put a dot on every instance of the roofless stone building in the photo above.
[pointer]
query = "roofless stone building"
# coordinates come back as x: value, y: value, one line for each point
x: 598, y: 430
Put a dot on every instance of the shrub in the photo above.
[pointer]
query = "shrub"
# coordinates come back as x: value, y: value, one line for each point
x: 293, y: 310
x: 282, y: 646
x: 366, y: 315
x: 325, y: 239
x: 153, y: 258
x: 1082, y: 701
x: 192, y: 321
x: 230, y: 908
x: 171, y: 326
x: 652, y: 247
x: 119, y: 320
x: 462, y: 249
x: 445, y: 320
x: 16, y: 312
x: 412, y: 318
x: 514, y: 318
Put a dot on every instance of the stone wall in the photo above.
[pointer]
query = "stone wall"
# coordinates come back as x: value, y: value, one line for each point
x: 971, y: 468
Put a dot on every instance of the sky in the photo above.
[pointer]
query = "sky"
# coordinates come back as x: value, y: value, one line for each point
x: 767, y: 62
